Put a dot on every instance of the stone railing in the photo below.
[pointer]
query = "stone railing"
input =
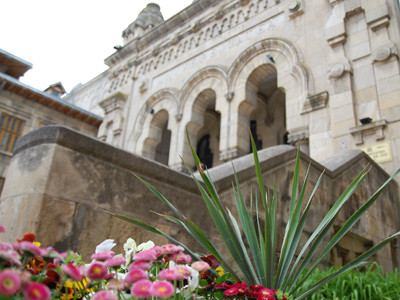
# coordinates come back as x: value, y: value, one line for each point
x: 59, y: 181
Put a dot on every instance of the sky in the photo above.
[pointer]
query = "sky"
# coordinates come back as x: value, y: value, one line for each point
x: 67, y: 40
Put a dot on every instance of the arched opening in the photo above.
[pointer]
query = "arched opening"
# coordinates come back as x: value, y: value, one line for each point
x: 157, y: 144
x: 267, y: 114
x: 206, y: 133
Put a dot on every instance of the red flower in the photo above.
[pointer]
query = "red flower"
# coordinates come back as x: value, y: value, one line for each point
x: 211, y: 260
x: 27, y: 237
x: 231, y: 292
x: 266, y: 294
x: 222, y: 286
x: 256, y: 287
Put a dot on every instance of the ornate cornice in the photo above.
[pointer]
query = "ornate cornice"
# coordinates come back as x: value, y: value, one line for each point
x: 114, y: 102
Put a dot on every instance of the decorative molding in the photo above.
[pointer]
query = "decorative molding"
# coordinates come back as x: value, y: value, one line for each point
x: 338, y: 70
x: 378, y: 17
x: 301, y: 134
x: 178, y: 117
x: 114, y: 102
x: 296, y: 8
x: 371, y: 128
x: 229, y: 96
x: 384, y: 53
x: 339, y: 39
x: 314, y: 102
x: 203, y: 30
x: 230, y: 154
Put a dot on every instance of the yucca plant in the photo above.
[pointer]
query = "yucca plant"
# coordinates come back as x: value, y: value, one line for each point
x: 257, y: 264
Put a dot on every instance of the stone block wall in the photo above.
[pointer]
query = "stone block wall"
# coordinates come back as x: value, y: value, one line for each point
x: 60, y: 181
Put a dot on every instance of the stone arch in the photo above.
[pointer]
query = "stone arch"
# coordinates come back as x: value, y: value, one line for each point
x: 271, y: 55
x: 155, y: 115
x: 203, y: 92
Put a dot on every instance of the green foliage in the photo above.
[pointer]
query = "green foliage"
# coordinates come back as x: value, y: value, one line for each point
x: 354, y: 285
x: 258, y: 264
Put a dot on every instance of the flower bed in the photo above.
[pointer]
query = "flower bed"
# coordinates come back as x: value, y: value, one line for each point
x: 30, y: 272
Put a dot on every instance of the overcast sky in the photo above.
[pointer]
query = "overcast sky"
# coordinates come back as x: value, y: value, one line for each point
x: 68, y: 40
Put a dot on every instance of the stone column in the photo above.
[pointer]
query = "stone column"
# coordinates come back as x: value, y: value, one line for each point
x: 110, y: 129
x: 342, y: 110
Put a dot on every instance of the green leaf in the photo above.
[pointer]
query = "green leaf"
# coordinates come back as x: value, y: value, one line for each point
x: 359, y: 261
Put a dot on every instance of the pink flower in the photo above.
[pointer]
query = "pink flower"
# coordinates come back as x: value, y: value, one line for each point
x: 200, y: 266
x: 181, y: 258
x: 183, y: 270
x: 117, y: 285
x: 147, y: 255
x: 9, y: 282
x: 104, y: 295
x: 72, y: 272
x: 16, y: 246
x: 135, y: 275
x: 162, y: 289
x: 30, y: 247
x: 170, y: 249
x: 170, y: 274
x: 5, y: 246
x: 142, y: 288
x: 9, y: 255
x: 115, y: 261
x: 96, y: 271
x: 140, y: 265
x: 2, y: 228
x: 36, y: 291
x: 103, y: 255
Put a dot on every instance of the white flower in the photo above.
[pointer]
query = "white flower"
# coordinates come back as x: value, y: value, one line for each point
x: 130, y: 250
x: 145, y: 246
x: 107, y: 245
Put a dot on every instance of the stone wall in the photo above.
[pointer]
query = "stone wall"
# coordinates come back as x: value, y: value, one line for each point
x: 59, y: 182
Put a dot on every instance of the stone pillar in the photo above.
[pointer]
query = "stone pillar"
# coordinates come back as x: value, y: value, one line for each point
x: 385, y: 60
x: 110, y: 129
x: 340, y: 72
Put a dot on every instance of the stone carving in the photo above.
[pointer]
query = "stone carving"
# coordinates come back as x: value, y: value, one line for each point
x: 205, y: 30
x: 301, y: 135
x: 384, y: 53
x: 143, y: 86
x: 114, y: 102
x: 146, y: 20
x: 178, y: 117
x: 315, y: 102
x: 295, y: 9
x: 229, y: 96
x: 371, y: 128
x: 230, y: 154
x: 338, y: 70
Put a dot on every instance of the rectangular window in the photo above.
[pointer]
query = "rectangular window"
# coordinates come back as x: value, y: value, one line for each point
x: 10, y: 131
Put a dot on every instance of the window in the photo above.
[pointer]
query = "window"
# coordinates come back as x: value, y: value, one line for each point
x: 10, y: 131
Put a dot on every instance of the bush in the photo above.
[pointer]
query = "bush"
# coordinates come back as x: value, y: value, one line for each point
x: 370, y: 285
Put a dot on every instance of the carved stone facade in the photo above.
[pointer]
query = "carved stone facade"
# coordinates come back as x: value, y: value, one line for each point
x: 299, y: 72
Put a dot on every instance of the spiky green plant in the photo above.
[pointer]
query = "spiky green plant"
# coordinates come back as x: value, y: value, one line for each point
x: 258, y: 265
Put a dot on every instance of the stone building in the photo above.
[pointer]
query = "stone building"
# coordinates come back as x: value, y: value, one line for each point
x: 24, y: 108
x: 322, y: 74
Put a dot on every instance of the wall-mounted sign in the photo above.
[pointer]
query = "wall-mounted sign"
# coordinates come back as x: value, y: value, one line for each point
x: 380, y: 152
